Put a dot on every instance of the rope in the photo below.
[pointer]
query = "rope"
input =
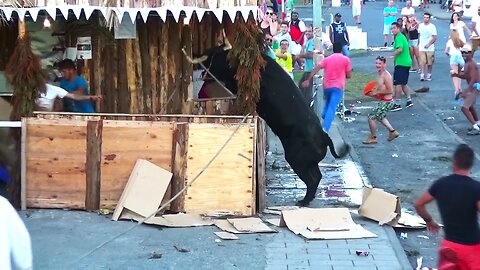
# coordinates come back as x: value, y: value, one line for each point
x: 169, y: 201
x: 208, y: 71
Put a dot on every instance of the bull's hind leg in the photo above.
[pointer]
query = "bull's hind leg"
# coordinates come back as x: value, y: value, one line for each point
x: 311, y: 176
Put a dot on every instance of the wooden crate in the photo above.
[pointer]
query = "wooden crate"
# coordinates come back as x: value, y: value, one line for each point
x: 56, y: 150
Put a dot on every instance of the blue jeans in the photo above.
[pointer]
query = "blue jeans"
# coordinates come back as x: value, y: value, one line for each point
x: 332, y: 96
x: 346, y: 51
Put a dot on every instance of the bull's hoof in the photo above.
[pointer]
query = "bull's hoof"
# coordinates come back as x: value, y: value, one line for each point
x: 303, y: 203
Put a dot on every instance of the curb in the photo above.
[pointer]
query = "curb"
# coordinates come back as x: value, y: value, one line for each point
x: 391, y: 235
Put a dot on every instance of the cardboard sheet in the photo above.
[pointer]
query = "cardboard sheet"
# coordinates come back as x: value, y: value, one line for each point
x: 380, y: 206
x: 226, y: 235
x: 175, y: 221
x: 274, y: 221
x: 251, y: 224
x: 300, y: 220
x: 145, y: 189
x: 385, y: 208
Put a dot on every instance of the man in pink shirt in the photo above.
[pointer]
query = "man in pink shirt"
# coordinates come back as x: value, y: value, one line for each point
x: 337, y: 70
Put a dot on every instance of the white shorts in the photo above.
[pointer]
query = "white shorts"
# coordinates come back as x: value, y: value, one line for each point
x: 387, y: 29
x: 356, y: 11
x: 296, y: 48
x: 413, y: 43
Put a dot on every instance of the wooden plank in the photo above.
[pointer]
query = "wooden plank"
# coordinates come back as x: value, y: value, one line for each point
x: 126, y: 99
x: 145, y: 58
x: 93, y: 168
x: 163, y: 67
x: 227, y: 183
x: 124, y: 142
x: 138, y: 72
x: 261, y: 141
x: 130, y: 75
x: 153, y: 52
x: 23, y: 169
x: 55, y: 163
x: 179, y: 165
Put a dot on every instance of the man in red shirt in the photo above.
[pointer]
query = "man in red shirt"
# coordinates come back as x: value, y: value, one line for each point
x: 458, y: 199
x: 337, y: 70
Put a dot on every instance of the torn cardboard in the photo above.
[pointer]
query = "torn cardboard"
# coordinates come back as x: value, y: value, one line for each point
x: 302, y: 221
x: 179, y: 220
x: 274, y: 221
x: 226, y: 235
x: 385, y: 208
x: 144, y: 190
x: 243, y: 225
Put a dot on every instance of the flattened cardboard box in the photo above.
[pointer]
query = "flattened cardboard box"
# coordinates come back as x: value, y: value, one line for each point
x: 323, y: 223
x: 385, y: 208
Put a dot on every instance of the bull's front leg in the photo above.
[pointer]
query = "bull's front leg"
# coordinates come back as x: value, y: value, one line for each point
x: 311, y: 176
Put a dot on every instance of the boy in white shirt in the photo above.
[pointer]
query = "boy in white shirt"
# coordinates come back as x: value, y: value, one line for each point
x: 46, y: 98
x: 427, y: 37
x: 356, y: 10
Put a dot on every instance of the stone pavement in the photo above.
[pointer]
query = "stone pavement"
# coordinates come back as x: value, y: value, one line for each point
x: 340, y: 187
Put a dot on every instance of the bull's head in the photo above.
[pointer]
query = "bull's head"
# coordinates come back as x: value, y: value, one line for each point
x: 224, y: 47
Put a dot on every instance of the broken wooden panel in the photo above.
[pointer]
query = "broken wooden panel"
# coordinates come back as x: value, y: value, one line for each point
x: 123, y: 143
x: 227, y: 183
x: 93, y: 169
x: 179, y: 155
x: 260, y: 165
x: 55, y: 163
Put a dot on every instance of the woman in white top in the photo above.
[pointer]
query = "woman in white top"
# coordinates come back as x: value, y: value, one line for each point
x: 456, y: 60
x: 457, y: 5
x: 46, y: 97
x: 457, y: 24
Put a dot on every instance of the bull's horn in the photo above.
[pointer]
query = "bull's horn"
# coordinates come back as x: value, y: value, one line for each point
x: 227, y: 46
x: 197, y: 60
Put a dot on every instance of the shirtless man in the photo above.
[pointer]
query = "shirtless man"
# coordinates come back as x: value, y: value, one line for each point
x: 469, y: 95
x: 383, y: 92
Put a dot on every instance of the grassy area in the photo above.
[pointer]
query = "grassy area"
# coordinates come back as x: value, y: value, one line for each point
x: 354, y: 86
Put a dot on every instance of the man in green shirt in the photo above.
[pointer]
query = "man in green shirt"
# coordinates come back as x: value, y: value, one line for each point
x: 403, y: 62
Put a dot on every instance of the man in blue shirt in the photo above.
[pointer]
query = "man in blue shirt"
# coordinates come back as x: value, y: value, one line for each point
x: 389, y: 17
x: 75, y: 84
x: 307, y: 54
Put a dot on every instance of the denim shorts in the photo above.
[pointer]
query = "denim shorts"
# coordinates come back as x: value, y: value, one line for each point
x: 457, y: 60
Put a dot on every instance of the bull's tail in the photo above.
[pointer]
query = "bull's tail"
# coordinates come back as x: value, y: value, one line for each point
x: 344, y: 149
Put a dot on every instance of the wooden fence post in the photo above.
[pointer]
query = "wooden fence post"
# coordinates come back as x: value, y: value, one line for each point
x: 94, y: 157
x: 179, y: 165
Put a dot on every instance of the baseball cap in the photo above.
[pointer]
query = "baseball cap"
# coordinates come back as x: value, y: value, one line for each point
x: 466, y: 48
x: 338, y: 15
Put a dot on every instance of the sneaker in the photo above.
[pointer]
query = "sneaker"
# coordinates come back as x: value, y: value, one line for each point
x: 392, y: 43
x: 429, y: 77
x: 392, y: 135
x: 396, y: 108
x: 422, y: 77
x: 385, y: 45
x: 409, y: 104
x: 370, y: 140
x: 413, y: 70
x: 473, y: 132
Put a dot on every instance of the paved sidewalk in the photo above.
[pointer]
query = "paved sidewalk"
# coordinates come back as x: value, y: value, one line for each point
x: 292, y: 252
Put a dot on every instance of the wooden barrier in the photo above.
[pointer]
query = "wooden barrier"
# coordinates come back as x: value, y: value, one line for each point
x: 84, y: 161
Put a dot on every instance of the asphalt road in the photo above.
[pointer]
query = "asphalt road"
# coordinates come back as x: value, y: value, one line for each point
x: 429, y: 131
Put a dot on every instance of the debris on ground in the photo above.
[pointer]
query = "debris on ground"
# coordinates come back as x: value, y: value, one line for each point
x: 182, y: 250
x: 323, y: 223
x: 104, y: 212
x: 155, y: 255
x: 362, y: 253
x: 226, y: 235
x: 394, y: 155
x: 218, y: 241
x: 423, y: 237
x: 243, y: 225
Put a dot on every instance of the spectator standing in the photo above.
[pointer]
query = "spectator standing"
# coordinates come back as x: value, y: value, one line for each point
x: 389, y: 17
x: 338, y: 34
x: 457, y: 24
x: 357, y: 6
x: 476, y: 30
x: 408, y: 10
x: 284, y: 58
x: 427, y: 38
x: 452, y: 49
x: 337, y: 70
x: 403, y: 62
x: 308, y: 51
x: 284, y: 34
x: 15, y: 244
x: 269, y: 24
x: 413, y: 41
x: 297, y: 29
x: 457, y: 6
x: 458, y: 199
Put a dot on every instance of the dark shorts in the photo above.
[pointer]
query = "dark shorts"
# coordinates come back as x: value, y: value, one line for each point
x: 400, y: 75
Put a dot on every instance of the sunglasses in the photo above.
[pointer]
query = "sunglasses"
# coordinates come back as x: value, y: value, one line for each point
x: 269, y: 40
x: 380, y: 58
x: 464, y: 52
x: 269, y: 13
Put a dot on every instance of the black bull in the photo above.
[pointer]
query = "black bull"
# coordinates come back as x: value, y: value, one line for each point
x: 287, y: 113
